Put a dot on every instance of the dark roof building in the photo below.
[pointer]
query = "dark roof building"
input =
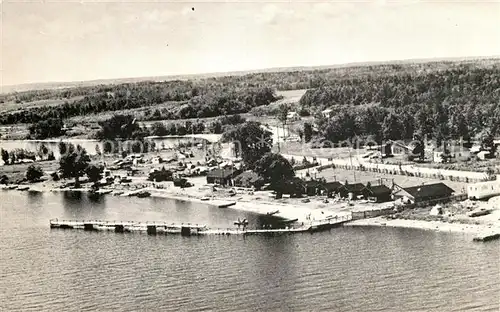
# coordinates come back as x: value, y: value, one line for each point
x: 248, y: 179
x: 378, y: 193
x: 330, y: 188
x: 424, y: 192
x: 222, y: 176
x: 356, y: 189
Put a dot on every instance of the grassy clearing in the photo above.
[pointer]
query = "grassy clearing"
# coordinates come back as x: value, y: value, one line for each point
x: 17, y: 172
x: 11, y: 106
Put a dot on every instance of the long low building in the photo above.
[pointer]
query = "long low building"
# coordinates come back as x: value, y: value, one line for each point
x: 482, y: 190
x: 423, y: 193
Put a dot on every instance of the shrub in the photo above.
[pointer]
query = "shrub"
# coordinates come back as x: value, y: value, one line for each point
x: 34, y: 173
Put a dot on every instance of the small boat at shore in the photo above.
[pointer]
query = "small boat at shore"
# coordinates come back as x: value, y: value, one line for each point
x: 143, y: 194
x: 12, y: 187
x: 271, y: 213
x: 23, y: 188
x: 205, y: 198
x: 104, y: 191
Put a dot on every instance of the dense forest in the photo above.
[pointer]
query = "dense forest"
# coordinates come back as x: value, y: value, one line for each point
x: 461, y: 102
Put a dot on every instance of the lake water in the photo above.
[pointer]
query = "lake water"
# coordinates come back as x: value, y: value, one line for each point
x: 347, y: 269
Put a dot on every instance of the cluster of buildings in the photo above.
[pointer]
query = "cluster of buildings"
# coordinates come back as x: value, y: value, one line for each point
x: 375, y: 193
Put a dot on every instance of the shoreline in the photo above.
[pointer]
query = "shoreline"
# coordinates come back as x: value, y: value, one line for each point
x: 297, y: 212
x: 437, y: 226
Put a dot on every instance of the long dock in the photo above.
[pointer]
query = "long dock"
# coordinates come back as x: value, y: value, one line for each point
x: 188, y: 229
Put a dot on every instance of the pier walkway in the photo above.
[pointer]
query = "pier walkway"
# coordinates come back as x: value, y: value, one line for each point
x: 188, y: 229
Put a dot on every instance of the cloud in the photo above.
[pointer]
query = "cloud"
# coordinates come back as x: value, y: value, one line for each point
x: 272, y: 14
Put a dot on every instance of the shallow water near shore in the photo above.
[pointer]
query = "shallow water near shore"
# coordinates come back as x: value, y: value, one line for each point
x: 346, y: 269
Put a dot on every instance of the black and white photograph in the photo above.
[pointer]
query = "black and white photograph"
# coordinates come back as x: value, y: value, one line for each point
x: 261, y: 155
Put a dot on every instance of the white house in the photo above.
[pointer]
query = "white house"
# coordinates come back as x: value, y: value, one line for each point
x: 292, y: 116
x: 451, y: 152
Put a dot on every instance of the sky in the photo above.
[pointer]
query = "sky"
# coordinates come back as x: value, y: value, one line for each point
x: 56, y: 41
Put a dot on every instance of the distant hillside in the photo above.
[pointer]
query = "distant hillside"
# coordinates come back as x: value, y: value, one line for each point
x: 62, y: 85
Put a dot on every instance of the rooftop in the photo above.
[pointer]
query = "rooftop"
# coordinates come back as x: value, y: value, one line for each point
x: 222, y: 173
x: 429, y: 190
x: 378, y: 189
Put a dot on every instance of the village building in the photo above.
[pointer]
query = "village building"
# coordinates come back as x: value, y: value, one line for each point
x: 249, y: 179
x: 329, y: 189
x: 377, y: 193
x: 292, y: 116
x: 222, y: 176
x: 327, y: 113
x: 351, y: 190
x: 423, y: 193
x: 483, y: 190
x: 312, y: 187
x: 442, y: 154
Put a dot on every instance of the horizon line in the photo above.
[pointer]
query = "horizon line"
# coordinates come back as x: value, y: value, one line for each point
x: 176, y: 76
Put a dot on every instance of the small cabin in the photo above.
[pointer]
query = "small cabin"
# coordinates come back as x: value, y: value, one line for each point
x: 222, y: 176
x: 351, y: 190
x: 327, y: 113
x: 377, y: 193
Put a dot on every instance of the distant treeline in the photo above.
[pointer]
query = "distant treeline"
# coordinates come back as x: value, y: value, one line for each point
x: 437, y: 99
x: 208, y: 100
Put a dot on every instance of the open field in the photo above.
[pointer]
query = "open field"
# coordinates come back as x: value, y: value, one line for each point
x: 304, y: 149
x: 11, y: 106
x: 17, y: 172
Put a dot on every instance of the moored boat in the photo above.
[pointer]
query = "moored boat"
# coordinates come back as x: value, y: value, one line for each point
x: 143, y: 194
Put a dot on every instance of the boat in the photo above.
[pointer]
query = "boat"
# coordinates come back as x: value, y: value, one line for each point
x: 104, y: 191
x: 289, y: 221
x: 143, y: 194
x: 117, y: 193
x: 243, y: 222
x: 271, y: 213
x: 23, y: 188
x: 205, y: 198
x: 12, y: 187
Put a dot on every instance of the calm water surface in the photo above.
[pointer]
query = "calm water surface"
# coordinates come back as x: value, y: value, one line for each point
x: 347, y: 269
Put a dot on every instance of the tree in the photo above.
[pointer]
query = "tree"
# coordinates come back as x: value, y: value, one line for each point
x: 441, y: 130
x: 159, y: 129
x: 274, y: 168
x: 51, y: 156
x: 308, y: 131
x: 120, y: 126
x: 392, y: 127
x: 5, y: 156
x: 34, y: 173
x: 51, y: 127
x: 94, y: 172
x: 282, y: 115
x: 252, y: 141
x: 74, y: 162
x: 216, y: 127
x: 161, y: 175
x: 43, y: 151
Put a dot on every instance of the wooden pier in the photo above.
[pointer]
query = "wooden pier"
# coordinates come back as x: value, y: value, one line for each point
x: 188, y: 229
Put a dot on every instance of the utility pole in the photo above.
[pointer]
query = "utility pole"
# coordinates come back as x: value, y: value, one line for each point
x: 350, y: 159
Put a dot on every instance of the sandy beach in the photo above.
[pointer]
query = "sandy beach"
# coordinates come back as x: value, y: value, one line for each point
x: 476, y: 229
